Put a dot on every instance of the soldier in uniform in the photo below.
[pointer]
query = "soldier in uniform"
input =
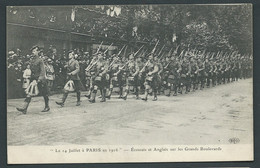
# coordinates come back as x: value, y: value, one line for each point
x: 174, y: 69
x: 160, y: 81
x: 73, y: 70
x: 100, y: 70
x: 138, y: 79
x: 214, y: 73
x: 194, y: 74
x: 208, y: 71
x: 89, y: 73
x: 38, y: 74
x: 185, y: 75
x: 132, y: 70
x: 151, y: 81
x: 201, y: 73
x: 112, y: 69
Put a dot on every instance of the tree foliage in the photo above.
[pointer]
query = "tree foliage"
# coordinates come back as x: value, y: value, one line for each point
x: 210, y: 27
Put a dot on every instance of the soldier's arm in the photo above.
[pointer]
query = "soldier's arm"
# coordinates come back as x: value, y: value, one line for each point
x: 156, y: 69
x: 105, y: 70
x: 136, y: 69
x: 161, y: 68
x: 76, y: 70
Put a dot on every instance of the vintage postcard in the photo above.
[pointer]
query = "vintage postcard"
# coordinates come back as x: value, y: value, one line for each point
x: 129, y: 83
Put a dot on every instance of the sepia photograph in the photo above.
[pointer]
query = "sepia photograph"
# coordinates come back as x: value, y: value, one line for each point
x: 129, y: 83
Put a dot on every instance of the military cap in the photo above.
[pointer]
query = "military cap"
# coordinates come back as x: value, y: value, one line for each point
x: 35, y: 46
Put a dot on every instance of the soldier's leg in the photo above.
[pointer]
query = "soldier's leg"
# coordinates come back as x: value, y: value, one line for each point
x: 167, y: 87
x: 110, y: 90
x: 103, y: 93
x: 25, y: 106
x: 155, y: 84
x: 146, y: 92
x: 181, y: 85
x: 93, y: 94
x: 188, y: 84
x: 77, y: 85
x: 137, y: 87
x: 126, y: 89
x: 44, y: 91
x: 64, y: 97
x: 89, y: 86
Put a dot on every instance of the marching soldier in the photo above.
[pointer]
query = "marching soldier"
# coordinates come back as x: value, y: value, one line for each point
x: 174, y: 69
x: 201, y: 73
x: 73, y: 69
x: 194, y: 74
x: 185, y: 75
x: 160, y: 65
x: 100, y: 68
x: 138, y: 78
x: 112, y: 69
x: 208, y: 71
x: 214, y: 73
x: 151, y: 81
x: 132, y: 70
x: 89, y: 73
x: 37, y: 74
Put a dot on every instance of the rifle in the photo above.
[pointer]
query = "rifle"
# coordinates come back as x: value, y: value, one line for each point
x: 138, y: 50
x: 108, y: 48
x: 91, y: 65
x: 144, y: 66
x: 161, y: 51
x: 117, y: 55
x: 99, y: 47
x: 155, y: 47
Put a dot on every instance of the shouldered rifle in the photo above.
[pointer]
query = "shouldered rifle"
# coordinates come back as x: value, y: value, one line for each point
x: 110, y: 65
x: 108, y: 48
x: 138, y: 50
x: 155, y: 47
x: 161, y: 52
x: 99, y: 47
x: 91, y: 65
x: 144, y: 66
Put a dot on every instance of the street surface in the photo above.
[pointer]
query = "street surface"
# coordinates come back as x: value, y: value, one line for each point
x: 211, y: 116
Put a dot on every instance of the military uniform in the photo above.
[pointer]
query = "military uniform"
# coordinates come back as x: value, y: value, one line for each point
x: 38, y: 74
x: 185, y: 76
x: 151, y: 79
x: 113, y: 68
x: 173, y: 69
x: 99, y: 80
x: 194, y: 75
x: 73, y: 70
x: 208, y: 72
x: 201, y: 74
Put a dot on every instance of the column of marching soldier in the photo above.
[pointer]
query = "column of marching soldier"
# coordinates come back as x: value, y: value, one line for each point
x: 149, y: 72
